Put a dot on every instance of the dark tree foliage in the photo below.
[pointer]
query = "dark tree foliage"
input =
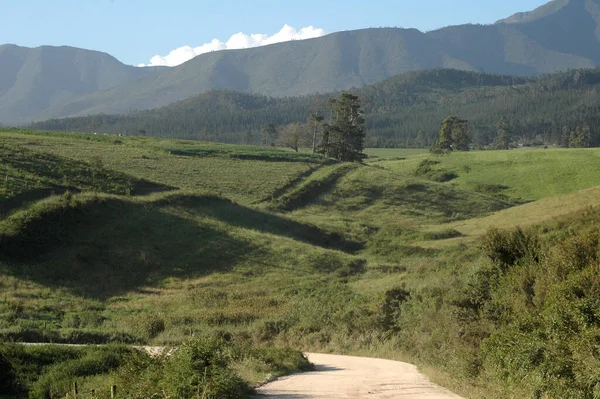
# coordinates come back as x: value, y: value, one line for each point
x: 404, y: 111
x: 504, y: 137
x: 344, y: 136
x: 454, y: 135
x: 269, y: 134
x: 581, y: 137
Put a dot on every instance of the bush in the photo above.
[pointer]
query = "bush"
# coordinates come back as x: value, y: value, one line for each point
x: 8, y: 383
x: 57, y: 379
x: 201, y: 366
x: 389, y: 308
x: 507, y: 247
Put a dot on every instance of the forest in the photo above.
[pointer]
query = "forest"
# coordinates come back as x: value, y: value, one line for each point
x: 405, y: 111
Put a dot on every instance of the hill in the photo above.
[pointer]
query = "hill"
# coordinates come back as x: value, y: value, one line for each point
x: 34, y: 79
x: 334, y: 62
x: 403, y: 111
x: 262, y: 246
x: 559, y: 37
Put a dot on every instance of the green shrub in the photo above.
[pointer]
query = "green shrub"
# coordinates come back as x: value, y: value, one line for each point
x: 8, y: 383
x: 202, y: 366
x: 58, y: 378
x: 507, y: 247
x: 389, y: 308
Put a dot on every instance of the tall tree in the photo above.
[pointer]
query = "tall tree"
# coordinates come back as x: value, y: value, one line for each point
x: 454, y: 135
x: 316, y: 120
x: 504, y: 136
x: 248, y: 139
x: 580, y: 137
x: 344, y: 137
x: 269, y: 134
x: 293, y: 136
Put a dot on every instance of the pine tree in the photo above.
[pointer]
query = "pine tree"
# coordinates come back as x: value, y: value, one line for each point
x: 454, y: 136
x: 344, y: 138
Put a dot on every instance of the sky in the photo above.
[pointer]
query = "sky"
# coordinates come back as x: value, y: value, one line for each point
x: 168, y: 32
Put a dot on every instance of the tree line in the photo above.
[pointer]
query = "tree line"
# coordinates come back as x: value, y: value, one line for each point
x: 404, y: 111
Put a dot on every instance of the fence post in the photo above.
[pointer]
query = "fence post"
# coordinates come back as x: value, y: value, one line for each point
x: 75, y: 389
x: 113, y: 391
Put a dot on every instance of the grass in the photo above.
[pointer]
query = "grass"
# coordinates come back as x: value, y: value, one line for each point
x: 228, y: 170
x: 265, y: 246
x: 519, y: 175
x: 57, y: 371
x: 380, y: 154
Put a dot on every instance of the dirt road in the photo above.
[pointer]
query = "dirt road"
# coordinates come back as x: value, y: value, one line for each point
x: 355, y: 377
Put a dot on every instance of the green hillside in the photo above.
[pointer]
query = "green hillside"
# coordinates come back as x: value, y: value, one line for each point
x: 264, y: 247
x: 404, y: 111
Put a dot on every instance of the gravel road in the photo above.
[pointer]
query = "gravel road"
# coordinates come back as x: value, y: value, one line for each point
x: 355, y: 377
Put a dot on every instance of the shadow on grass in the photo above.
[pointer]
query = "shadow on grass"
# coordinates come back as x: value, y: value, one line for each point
x: 59, y: 173
x: 106, y: 247
x: 20, y: 200
x: 265, y: 222
x: 266, y: 155
x: 304, y: 194
x: 453, y: 204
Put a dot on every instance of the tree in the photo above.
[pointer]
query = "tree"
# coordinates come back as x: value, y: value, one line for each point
x: 293, y: 136
x: 268, y: 134
x: 248, y: 139
x: 504, y: 136
x: 454, y: 135
x: 317, y: 120
x: 344, y: 137
x: 580, y: 137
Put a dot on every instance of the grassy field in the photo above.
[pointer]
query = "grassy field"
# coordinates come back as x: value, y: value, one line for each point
x: 519, y: 175
x: 139, y: 240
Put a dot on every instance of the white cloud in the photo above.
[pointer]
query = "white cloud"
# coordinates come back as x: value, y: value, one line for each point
x: 237, y: 41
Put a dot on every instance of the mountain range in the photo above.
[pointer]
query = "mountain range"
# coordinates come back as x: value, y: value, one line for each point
x: 53, y: 82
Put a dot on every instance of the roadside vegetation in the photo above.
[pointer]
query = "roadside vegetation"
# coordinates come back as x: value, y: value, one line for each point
x: 208, y: 367
x: 237, y: 250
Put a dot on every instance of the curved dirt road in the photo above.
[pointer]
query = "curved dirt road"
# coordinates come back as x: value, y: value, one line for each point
x: 355, y: 377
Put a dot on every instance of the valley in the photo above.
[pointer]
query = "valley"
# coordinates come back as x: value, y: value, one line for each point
x: 155, y: 241
x: 413, y: 211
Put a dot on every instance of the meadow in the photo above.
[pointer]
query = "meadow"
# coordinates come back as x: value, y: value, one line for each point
x: 108, y: 239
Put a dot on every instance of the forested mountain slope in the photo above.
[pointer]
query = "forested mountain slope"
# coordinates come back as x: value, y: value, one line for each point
x: 562, y: 35
x: 405, y: 110
x: 33, y: 79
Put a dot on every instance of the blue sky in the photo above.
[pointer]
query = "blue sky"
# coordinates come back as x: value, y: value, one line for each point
x: 136, y: 30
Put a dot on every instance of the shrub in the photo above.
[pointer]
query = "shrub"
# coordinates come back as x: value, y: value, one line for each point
x: 57, y: 379
x: 507, y: 247
x: 203, y: 365
x: 8, y: 383
x: 389, y: 308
